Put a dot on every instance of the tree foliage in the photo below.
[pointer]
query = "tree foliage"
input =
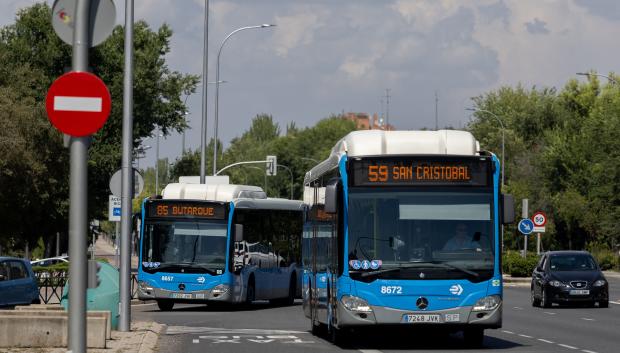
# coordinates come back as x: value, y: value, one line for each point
x: 34, y: 170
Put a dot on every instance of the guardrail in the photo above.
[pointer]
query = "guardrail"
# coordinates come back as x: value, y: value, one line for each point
x: 51, y: 285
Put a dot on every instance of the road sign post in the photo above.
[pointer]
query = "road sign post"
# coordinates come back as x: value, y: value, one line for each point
x: 539, y: 219
x: 524, y: 213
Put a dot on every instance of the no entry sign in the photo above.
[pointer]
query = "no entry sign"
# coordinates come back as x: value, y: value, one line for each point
x: 78, y: 103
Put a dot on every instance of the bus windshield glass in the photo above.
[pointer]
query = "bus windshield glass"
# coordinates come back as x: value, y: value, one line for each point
x: 184, y: 246
x: 421, y: 234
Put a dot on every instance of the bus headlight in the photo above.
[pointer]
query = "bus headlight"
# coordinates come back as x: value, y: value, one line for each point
x: 487, y: 303
x: 355, y: 304
x: 219, y: 290
x: 144, y: 286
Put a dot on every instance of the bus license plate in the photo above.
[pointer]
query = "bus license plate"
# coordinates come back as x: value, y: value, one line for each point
x: 579, y: 292
x: 181, y: 295
x: 421, y: 318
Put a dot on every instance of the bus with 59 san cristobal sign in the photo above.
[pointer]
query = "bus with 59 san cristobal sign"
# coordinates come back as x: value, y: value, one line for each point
x: 402, y: 229
x: 219, y: 243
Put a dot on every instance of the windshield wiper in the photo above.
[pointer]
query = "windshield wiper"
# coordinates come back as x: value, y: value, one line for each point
x: 421, y: 264
x: 183, y: 266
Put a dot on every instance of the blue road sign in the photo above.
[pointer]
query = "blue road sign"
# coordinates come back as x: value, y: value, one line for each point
x: 117, y: 211
x: 526, y: 226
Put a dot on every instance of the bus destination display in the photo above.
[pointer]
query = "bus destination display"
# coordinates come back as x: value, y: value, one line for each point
x: 186, y: 210
x: 412, y: 171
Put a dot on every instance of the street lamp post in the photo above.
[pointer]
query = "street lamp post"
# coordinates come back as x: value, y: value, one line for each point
x: 503, y: 169
x: 158, y: 135
x: 588, y: 74
x: 291, y: 173
x: 217, y: 86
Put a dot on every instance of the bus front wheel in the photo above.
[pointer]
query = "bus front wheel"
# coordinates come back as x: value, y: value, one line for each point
x: 165, y: 305
x: 473, y: 337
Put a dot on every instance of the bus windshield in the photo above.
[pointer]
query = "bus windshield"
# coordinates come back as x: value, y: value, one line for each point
x: 445, y: 234
x: 185, y: 246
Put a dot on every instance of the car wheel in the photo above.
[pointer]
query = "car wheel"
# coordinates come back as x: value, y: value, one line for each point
x: 165, y: 305
x: 545, y: 302
x: 603, y: 304
x: 535, y: 302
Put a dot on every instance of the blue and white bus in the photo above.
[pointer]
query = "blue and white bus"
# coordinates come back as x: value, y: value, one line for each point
x: 219, y: 243
x: 403, y: 229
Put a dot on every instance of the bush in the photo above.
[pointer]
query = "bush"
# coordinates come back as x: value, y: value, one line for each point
x: 606, y: 259
x: 60, y: 267
x: 517, y: 266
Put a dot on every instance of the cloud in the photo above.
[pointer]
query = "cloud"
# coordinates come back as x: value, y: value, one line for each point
x: 537, y: 27
x: 298, y: 29
x: 423, y: 15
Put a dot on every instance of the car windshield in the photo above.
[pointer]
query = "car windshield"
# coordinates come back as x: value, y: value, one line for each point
x: 449, y: 233
x: 200, y: 245
x: 576, y: 262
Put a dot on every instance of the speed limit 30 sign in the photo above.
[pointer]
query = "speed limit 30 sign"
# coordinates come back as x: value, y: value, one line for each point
x: 539, y: 219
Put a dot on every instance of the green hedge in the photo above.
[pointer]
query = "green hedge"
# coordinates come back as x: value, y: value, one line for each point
x: 517, y: 266
x: 60, y: 267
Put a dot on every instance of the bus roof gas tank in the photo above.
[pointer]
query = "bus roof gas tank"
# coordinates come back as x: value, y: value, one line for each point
x: 380, y: 143
x: 211, y: 192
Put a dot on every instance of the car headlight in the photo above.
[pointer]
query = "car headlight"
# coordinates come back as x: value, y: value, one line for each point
x: 556, y: 284
x: 487, y: 303
x: 220, y: 289
x: 355, y: 304
x: 144, y: 286
x: 599, y: 283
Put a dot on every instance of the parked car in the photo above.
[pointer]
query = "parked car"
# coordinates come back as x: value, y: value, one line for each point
x: 568, y: 277
x: 49, y: 261
x: 18, y: 286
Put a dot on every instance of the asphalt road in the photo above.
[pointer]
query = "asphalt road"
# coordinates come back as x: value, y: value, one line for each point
x: 265, y: 328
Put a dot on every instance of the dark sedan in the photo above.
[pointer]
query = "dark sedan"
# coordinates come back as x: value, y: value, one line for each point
x: 568, y: 277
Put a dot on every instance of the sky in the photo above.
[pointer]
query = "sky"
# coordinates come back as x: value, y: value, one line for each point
x: 326, y: 57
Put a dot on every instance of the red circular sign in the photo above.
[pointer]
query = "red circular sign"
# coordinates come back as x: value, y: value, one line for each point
x: 78, y: 103
x: 539, y: 218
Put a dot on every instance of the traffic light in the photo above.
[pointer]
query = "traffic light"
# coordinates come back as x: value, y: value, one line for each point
x: 94, y: 280
x: 271, y: 167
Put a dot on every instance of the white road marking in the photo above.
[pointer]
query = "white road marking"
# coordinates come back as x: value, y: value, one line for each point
x: 509, y: 332
x: 526, y: 336
x: 174, y: 330
x: 517, y: 308
x: 587, y: 351
x: 546, y: 341
x: 567, y: 346
x: 370, y: 351
x: 587, y: 319
x: 78, y: 104
x: 195, y: 341
x: 613, y: 302
x: 549, y: 313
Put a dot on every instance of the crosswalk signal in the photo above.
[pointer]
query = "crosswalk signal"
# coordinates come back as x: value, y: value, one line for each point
x: 271, y: 167
x: 94, y: 280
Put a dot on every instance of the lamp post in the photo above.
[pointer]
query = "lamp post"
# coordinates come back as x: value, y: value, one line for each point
x: 588, y: 74
x: 291, y: 173
x: 217, y: 86
x: 158, y: 135
x: 503, y: 169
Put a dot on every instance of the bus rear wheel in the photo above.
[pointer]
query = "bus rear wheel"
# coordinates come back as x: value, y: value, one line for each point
x: 165, y: 305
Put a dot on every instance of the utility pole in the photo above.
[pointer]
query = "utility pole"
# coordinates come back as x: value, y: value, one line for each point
x: 387, y: 109
x: 436, y: 115
x: 127, y: 187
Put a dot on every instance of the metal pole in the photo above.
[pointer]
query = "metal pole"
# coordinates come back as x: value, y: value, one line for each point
x: 78, y: 197
x: 537, y: 243
x: 217, y: 88
x: 291, y: 173
x: 524, y: 215
x: 157, y: 163
x: 124, y: 323
x: 205, y: 69
x: 117, y: 225
x: 57, y: 244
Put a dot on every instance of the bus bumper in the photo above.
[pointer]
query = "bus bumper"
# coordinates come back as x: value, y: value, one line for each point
x: 460, y: 316
x: 220, y: 293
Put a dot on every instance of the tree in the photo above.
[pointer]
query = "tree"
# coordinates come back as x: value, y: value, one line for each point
x: 31, y: 58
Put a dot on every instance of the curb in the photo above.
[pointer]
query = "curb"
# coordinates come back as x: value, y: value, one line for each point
x: 151, y: 338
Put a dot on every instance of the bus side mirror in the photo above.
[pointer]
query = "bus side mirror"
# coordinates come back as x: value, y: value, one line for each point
x: 331, y: 198
x: 238, y: 232
x: 508, y: 209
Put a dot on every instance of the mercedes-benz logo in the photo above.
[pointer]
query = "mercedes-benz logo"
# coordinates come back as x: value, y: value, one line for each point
x: 422, y: 275
x: 422, y: 303
x: 181, y: 286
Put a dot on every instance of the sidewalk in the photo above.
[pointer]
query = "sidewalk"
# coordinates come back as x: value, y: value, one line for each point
x: 142, y: 339
x: 105, y: 248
